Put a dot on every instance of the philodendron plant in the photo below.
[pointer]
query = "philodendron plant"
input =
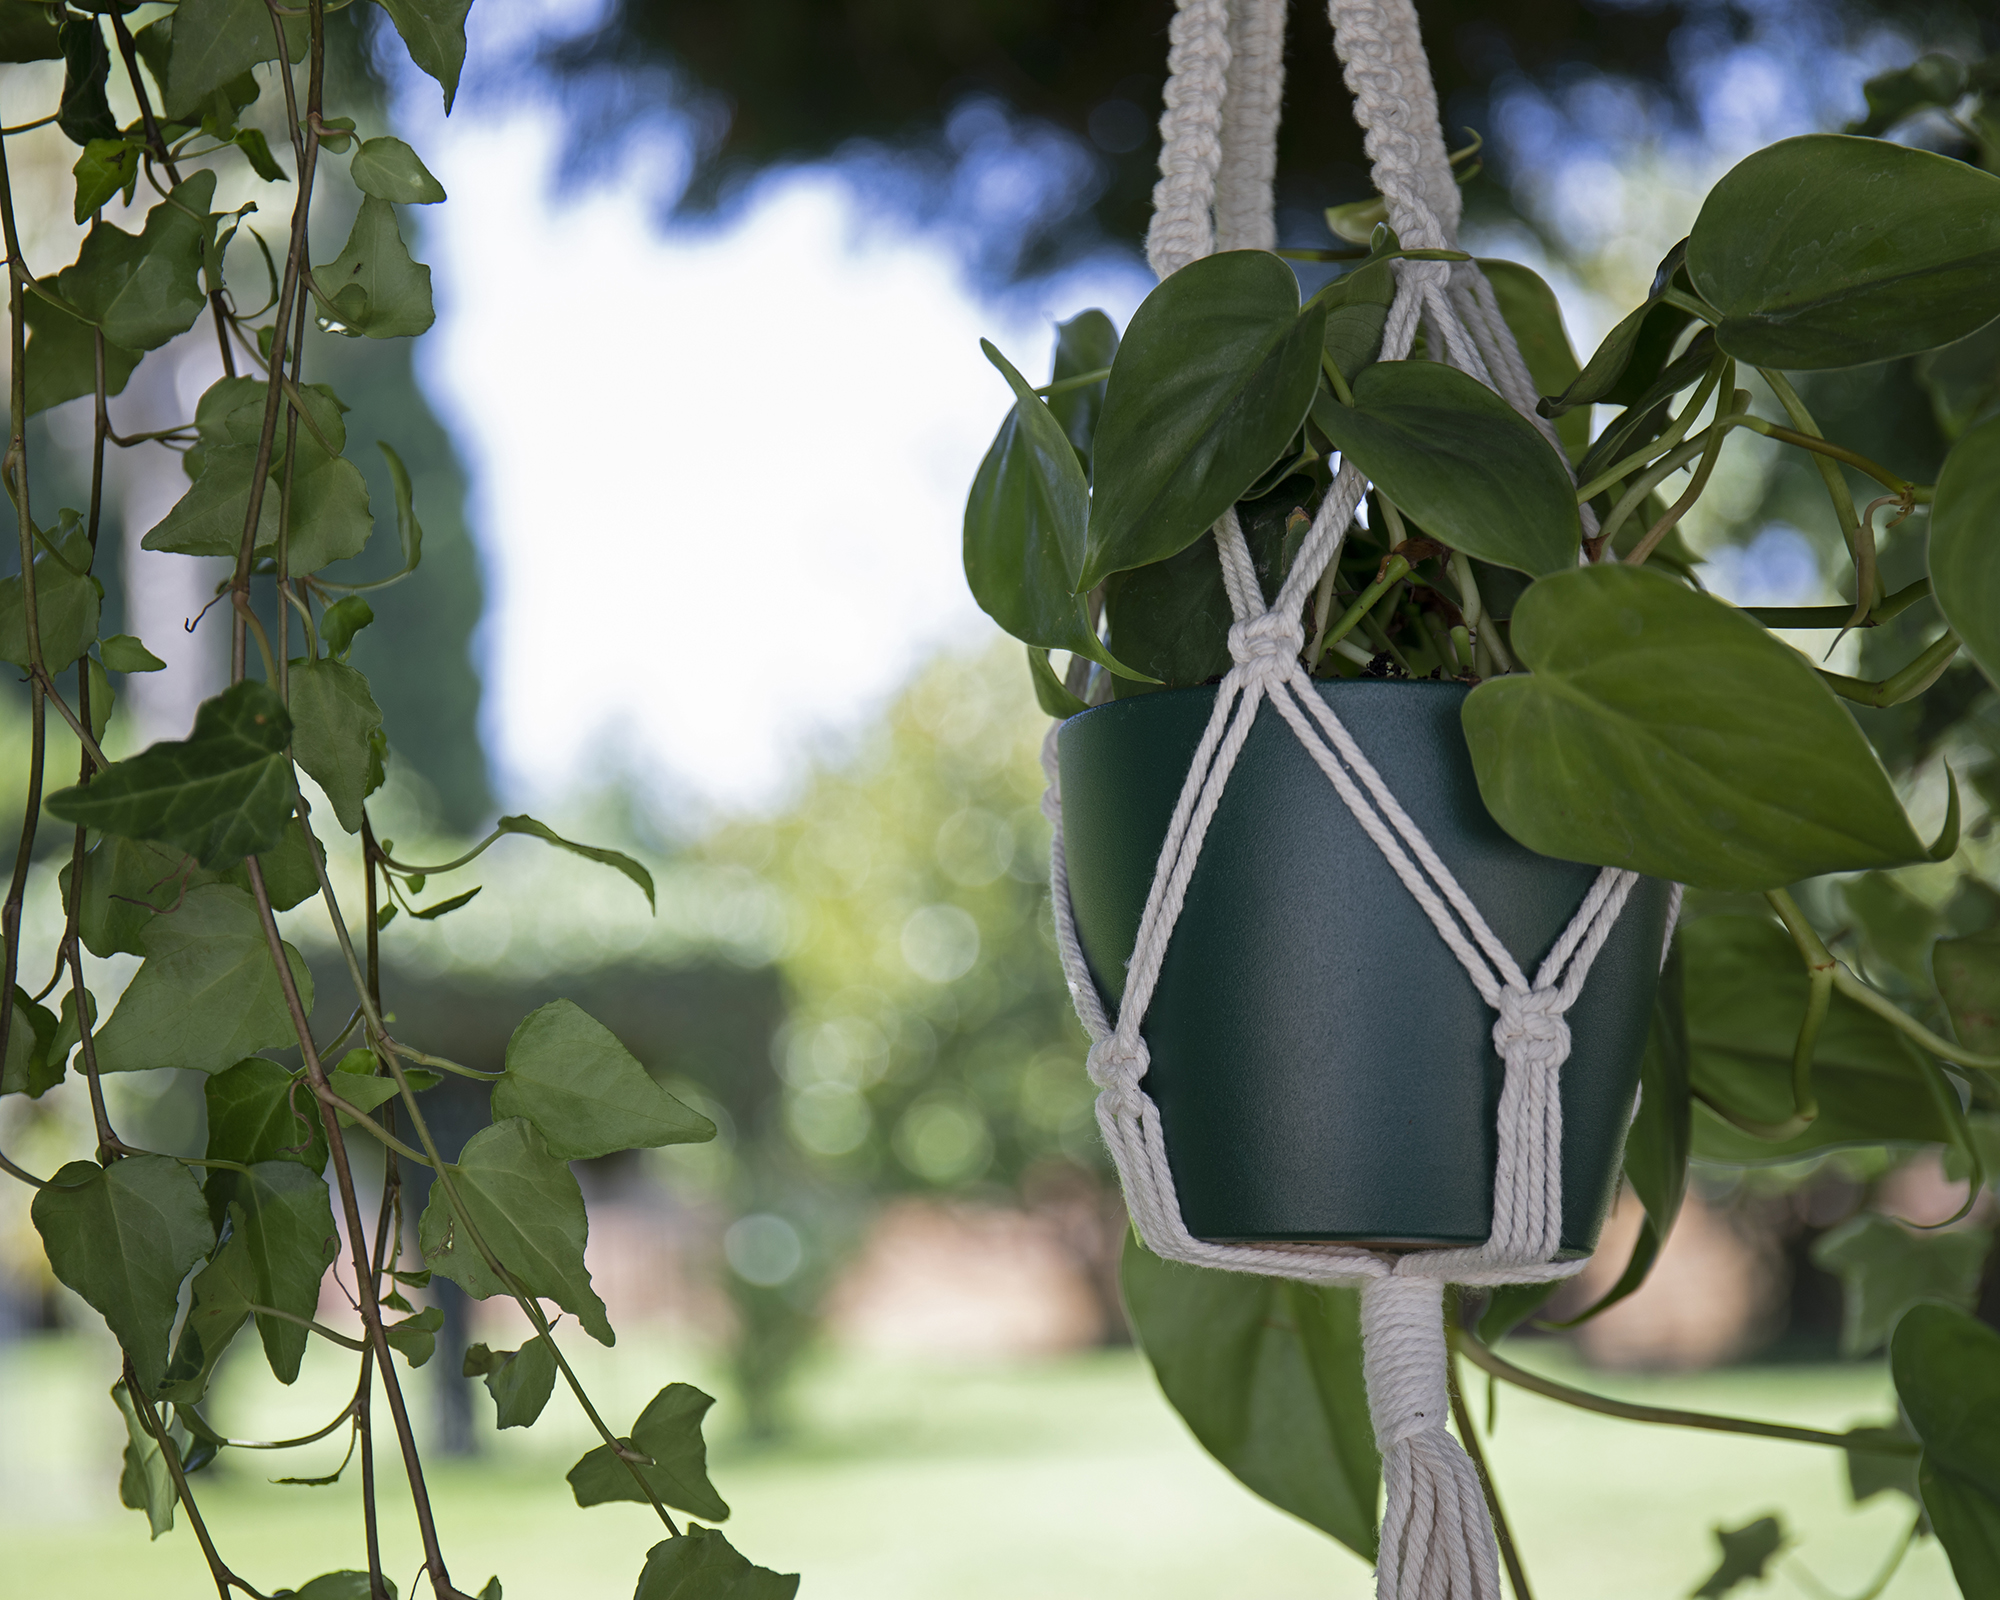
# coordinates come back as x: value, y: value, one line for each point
x: 1837, y: 974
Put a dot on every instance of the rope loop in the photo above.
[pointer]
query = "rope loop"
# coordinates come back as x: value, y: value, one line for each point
x: 1266, y: 644
x: 1531, y: 1029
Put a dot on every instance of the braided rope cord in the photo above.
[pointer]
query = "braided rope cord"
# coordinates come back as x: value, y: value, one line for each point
x: 1219, y: 135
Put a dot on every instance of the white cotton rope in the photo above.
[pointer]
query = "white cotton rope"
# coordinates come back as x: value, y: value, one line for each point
x: 1217, y: 162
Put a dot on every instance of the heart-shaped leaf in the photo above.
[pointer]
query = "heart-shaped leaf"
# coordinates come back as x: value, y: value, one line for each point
x: 1534, y: 316
x: 1965, y: 544
x: 1086, y: 343
x: 1664, y: 731
x: 1947, y: 1370
x: 1024, y: 528
x: 1455, y: 456
x: 668, y: 1430
x: 568, y: 1074
x: 1832, y: 251
x: 1211, y: 382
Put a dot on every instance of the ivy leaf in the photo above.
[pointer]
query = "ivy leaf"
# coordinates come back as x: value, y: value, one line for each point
x: 339, y: 1586
x: 409, y: 531
x: 702, y: 1565
x: 520, y: 1381
x: 207, y: 995
x: 146, y: 1483
x: 416, y: 1336
x: 389, y: 169
x: 221, y: 794
x: 1964, y: 555
x: 1746, y: 995
x: 433, y: 31
x: 1884, y: 1269
x: 84, y: 113
x: 1024, y: 527
x: 105, y: 167
x: 1832, y: 251
x: 669, y: 1431
x: 259, y: 1111
x: 375, y: 288
x: 289, y: 875
x: 285, y: 1215
x: 527, y: 1207
x: 616, y: 859
x: 62, y: 353
x: 1212, y: 379
x: 123, y: 653
x: 33, y: 1066
x: 1635, y: 742
x: 1746, y: 1551
x: 336, y: 734
x: 66, y: 605
x: 142, y: 289
x: 216, y: 42
x: 331, y: 518
x: 29, y: 32
x: 126, y: 882
x: 1460, y: 460
x: 1968, y: 976
x: 1267, y: 1375
x: 444, y: 908
x: 341, y: 622
x: 568, y: 1075
x: 218, y: 1306
x: 208, y: 520
x: 1947, y: 1371
x: 257, y: 151
x: 123, y: 1237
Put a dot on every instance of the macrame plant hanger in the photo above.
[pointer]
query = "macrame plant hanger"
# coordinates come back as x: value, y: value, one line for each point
x: 1219, y: 133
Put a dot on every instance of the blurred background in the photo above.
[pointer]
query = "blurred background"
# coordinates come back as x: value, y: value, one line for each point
x: 690, y: 442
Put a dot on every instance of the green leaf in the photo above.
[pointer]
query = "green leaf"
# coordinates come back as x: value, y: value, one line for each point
x: 221, y: 794
x: 336, y: 725
x: 289, y: 876
x: 1746, y: 996
x: 147, y: 1482
x: 1050, y: 693
x: 446, y: 907
x: 1214, y: 376
x: 389, y: 170
x: 62, y: 354
x: 1832, y: 251
x: 84, y: 113
x: 33, y: 1065
x: 1460, y: 460
x: 1633, y: 353
x: 285, y: 1214
x: 1947, y: 1371
x: 1534, y: 316
x: 123, y: 1237
x: 1664, y: 731
x: 433, y: 32
x: 339, y: 1586
x: 520, y: 1381
x: 1963, y: 380
x: 1968, y: 976
x: 702, y: 1565
x: 1870, y: 1472
x: 375, y: 288
x: 1267, y: 1375
x: 669, y: 1431
x: 1086, y: 343
x: 207, y: 995
x: 341, y: 622
x: 527, y: 1207
x: 1746, y: 1552
x: 1932, y: 80
x: 218, y: 1306
x: 1885, y: 1268
x: 258, y: 1111
x: 123, y: 653
x: 615, y: 859
x: 257, y: 151
x: 105, y: 167
x: 1964, y: 548
x: 142, y: 289
x: 1510, y: 1305
x: 330, y: 516
x: 1357, y: 311
x: 214, y: 43
x: 66, y: 605
x: 125, y: 883
x: 208, y: 520
x: 356, y: 1081
x: 416, y: 1336
x: 1024, y: 527
x: 568, y: 1075
x: 29, y: 32
x: 1897, y: 929
x: 409, y: 531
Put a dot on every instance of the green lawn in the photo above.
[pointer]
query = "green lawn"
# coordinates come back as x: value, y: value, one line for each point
x: 1066, y: 1480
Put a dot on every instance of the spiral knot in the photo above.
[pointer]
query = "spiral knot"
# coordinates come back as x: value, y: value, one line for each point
x: 1269, y: 643
x: 1531, y: 1028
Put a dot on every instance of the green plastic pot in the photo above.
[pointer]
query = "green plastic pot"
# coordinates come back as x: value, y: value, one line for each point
x: 1323, y: 1066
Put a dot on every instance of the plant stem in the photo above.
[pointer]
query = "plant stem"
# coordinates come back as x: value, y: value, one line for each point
x: 225, y: 1580
x: 1078, y: 381
x: 1899, y: 686
x: 307, y: 1322
x: 1860, y: 543
x: 1840, y: 616
x: 1394, y: 570
x: 1468, y: 1434
x: 1680, y: 508
x: 1334, y: 376
x: 1485, y: 1359
x: 1671, y: 437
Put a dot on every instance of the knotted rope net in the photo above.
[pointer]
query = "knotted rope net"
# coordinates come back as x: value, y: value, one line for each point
x: 1219, y: 134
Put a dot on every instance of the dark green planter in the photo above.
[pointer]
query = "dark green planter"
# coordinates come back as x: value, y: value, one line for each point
x: 1323, y: 1066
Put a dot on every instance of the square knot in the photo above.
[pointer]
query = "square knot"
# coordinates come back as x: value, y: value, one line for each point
x: 1531, y: 1029
x: 1269, y: 641
x: 1113, y: 1065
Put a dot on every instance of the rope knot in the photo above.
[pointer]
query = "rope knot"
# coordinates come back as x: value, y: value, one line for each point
x: 1268, y: 643
x: 1531, y: 1029
x: 1116, y: 1068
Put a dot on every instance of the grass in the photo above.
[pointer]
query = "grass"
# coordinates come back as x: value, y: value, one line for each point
x: 1060, y: 1480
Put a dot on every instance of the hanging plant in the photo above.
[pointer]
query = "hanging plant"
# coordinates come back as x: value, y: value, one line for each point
x: 1377, y: 650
